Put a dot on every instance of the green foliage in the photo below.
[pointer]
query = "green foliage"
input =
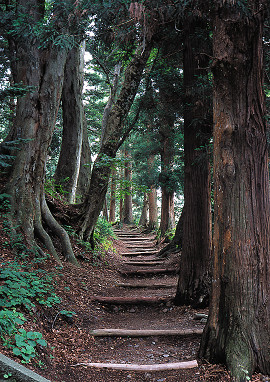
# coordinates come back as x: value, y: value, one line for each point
x: 9, y: 320
x: 17, y: 90
x: 103, y: 231
x: 67, y: 313
x: 4, y: 202
x: 26, y: 343
x: 23, y: 343
x: 20, y: 287
x: 55, y: 190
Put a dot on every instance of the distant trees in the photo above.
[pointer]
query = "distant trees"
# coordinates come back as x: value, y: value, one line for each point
x: 110, y: 143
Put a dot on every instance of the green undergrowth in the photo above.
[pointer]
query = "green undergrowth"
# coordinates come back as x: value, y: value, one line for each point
x: 22, y: 291
x: 102, y: 240
x: 24, y: 286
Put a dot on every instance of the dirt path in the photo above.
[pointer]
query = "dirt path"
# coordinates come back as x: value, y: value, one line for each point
x: 131, y: 292
x: 142, y: 301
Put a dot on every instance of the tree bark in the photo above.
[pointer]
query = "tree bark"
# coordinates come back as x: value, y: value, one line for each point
x: 68, y: 167
x: 85, y: 166
x: 153, y: 211
x: 110, y: 144
x: 143, y: 219
x: 238, y: 328
x: 194, y: 281
x: 113, y: 197
x: 176, y: 244
x: 36, y: 112
x: 128, y: 217
x: 166, y: 133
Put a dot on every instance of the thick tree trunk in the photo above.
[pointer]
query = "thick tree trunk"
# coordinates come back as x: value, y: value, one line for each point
x: 238, y: 328
x: 143, y: 219
x: 113, y: 197
x: 194, y: 282
x: 34, y: 123
x: 105, y: 210
x: 176, y: 244
x: 110, y: 144
x: 85, y: 167
x: 166, y: 133
x: 68, y: 167
x: 128, y: 217
x: 153, y: 210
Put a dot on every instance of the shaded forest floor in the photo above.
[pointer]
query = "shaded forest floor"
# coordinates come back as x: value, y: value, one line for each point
x: 70, y: 342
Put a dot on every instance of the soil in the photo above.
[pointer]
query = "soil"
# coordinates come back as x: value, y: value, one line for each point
x: 70, y: 343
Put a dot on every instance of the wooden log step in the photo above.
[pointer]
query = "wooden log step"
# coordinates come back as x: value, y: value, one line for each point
x: 135, y: 237
x: 142, y: 368
x: 139, y: 245
x: 140, y: 253
x: 145, y: 332
x: 144, y: 272
x: 145, y: 285
x: 139, y: 238
x: 132, y: 300
x: 141, y: 249
x: 144, y: 263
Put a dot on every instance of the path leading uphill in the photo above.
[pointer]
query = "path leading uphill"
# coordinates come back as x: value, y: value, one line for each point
x: 141, y: 335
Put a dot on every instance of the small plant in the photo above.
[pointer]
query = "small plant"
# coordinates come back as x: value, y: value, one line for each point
x: 4, y: 202
x: 20, y: 287
x: 7, y: 375
x: 67, y: 313
x: 55, y: 190
x: 26, y: 343
x: 103, y: 231
x: 9, y: 321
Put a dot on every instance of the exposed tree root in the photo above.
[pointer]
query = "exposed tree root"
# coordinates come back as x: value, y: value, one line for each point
x: 41, y: 234
x: 59, y: 231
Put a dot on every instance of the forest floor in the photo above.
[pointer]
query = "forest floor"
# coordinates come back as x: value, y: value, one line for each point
x: 71, y: 345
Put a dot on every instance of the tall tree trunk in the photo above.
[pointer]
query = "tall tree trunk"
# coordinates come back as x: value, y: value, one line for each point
x: 152, y: 199
x: 166, y: 133
x: 143, y: 219
x: 36, y: 112
x: 85, y: 167
x: 194, y: 282
x: 167, y: 220
x: 128, y: 217
x: 68, y: 167
x: 176, y: 244
x: 237, y: 332
x: 113, y: 197
x: 153, y: 210
x: 110, y: 144
x: 105, y: 210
